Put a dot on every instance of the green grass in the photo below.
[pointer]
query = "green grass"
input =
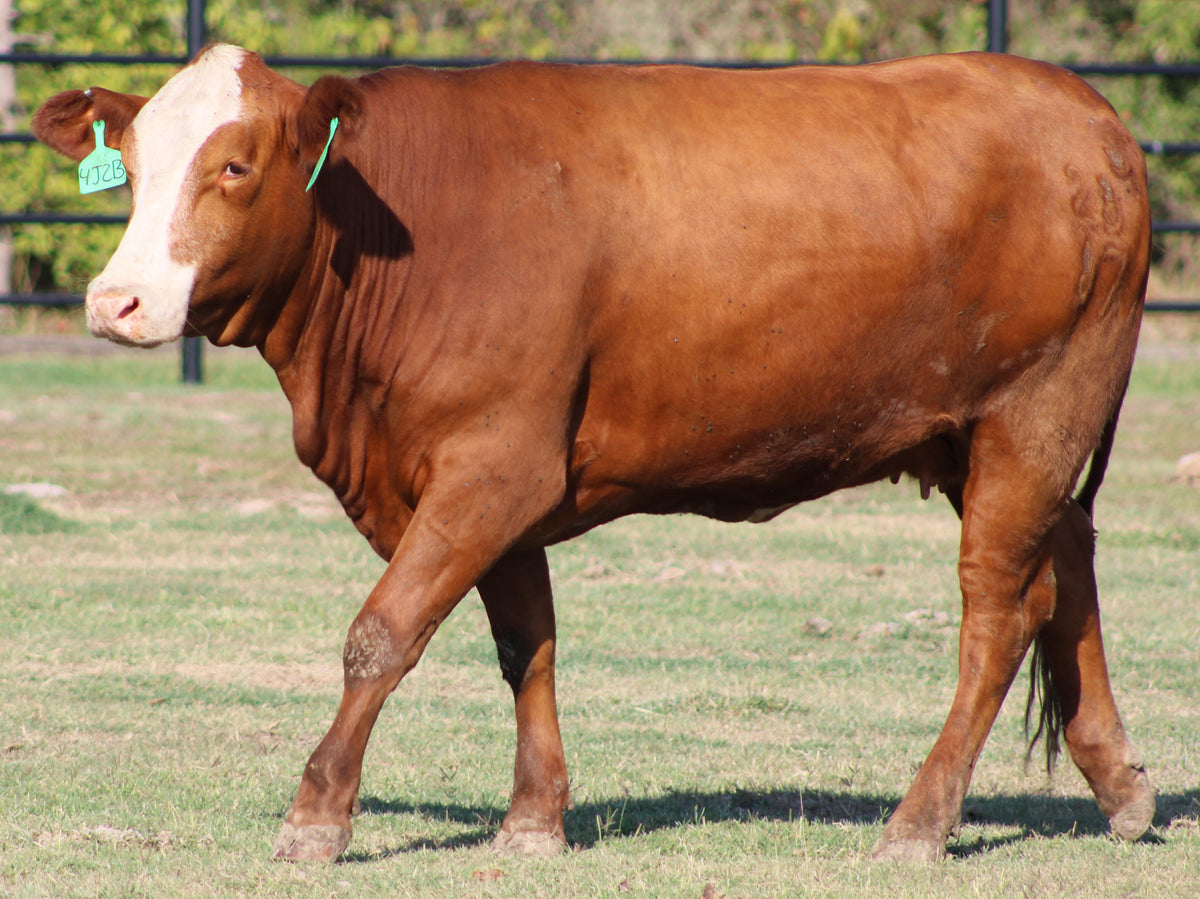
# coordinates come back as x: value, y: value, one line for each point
x: 171, y: 631
x: 19, y: 515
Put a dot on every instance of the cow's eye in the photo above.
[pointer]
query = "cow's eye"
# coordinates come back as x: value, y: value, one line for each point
x: 234, y: 169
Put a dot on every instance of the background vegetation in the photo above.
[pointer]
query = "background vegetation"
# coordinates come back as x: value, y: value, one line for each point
x: 65, y: 258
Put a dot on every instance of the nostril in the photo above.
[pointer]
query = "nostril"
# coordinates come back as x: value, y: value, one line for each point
x: 130, y: 308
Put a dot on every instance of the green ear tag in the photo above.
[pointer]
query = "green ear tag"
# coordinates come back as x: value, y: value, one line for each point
x: 320, y: 162
x: 102, y: 168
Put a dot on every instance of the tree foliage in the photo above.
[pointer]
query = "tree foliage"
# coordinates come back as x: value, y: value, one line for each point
x: 844, y: 31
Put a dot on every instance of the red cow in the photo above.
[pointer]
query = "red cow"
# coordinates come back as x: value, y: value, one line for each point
x: 523, y: 300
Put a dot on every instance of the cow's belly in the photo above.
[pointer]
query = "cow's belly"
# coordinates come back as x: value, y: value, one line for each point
x: 735, y: 389
x: 756, y: 469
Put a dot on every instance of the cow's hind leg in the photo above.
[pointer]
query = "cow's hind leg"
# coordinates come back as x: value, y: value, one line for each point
x: 1076, y: 695
x: 1010, y: 503
x: 517, y: 596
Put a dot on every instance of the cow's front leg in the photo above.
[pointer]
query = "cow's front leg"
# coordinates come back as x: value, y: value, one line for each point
x: 520, y: 607
x: 426, y: 578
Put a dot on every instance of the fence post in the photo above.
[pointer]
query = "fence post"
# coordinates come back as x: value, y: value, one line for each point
x: 197, y: 36
x: 8, y: 102
x: 998, y: 26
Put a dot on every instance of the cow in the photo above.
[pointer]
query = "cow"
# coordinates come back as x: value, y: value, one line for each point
x: 522, y: 300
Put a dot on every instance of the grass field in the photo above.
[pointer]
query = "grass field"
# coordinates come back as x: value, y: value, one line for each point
x: 171, y: 629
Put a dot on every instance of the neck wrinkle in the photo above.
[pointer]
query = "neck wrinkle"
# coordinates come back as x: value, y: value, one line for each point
x: 299, y: 316
x: 298, y: 344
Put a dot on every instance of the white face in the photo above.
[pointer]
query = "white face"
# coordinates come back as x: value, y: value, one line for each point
x: 141, y: 298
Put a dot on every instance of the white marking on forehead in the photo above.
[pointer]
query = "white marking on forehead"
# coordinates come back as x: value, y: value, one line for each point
x: 190, y: 107
x: 168, y: 133
x: 174, y: 125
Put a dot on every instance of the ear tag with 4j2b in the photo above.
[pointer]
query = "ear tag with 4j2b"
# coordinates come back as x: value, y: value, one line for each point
x: 102, y: 168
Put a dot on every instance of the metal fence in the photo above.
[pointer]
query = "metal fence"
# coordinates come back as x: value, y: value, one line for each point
x: 197, y: 36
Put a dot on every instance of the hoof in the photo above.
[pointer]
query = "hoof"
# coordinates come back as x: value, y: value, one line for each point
x: 1132, y: 819
x: 311, y: 843
x: 921, y: 852
x: 529, y: 842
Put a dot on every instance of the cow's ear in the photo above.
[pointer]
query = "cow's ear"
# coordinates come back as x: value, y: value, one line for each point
x: 331, y: 97
x: 64, y: 122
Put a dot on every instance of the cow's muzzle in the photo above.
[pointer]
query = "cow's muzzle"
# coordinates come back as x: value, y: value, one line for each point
x: 120, y: 317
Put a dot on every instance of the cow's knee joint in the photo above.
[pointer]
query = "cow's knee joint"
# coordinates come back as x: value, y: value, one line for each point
x: 369, y: 651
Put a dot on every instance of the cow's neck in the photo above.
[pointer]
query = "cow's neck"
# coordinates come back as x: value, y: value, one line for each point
x: 336, y: 340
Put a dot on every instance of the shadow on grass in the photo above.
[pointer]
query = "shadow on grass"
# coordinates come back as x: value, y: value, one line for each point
x: 589, y: 823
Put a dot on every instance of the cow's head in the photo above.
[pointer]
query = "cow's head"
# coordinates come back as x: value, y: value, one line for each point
x: 218, y: 161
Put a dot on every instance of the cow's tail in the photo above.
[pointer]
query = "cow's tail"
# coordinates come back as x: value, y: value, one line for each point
x: 1043, y: 694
